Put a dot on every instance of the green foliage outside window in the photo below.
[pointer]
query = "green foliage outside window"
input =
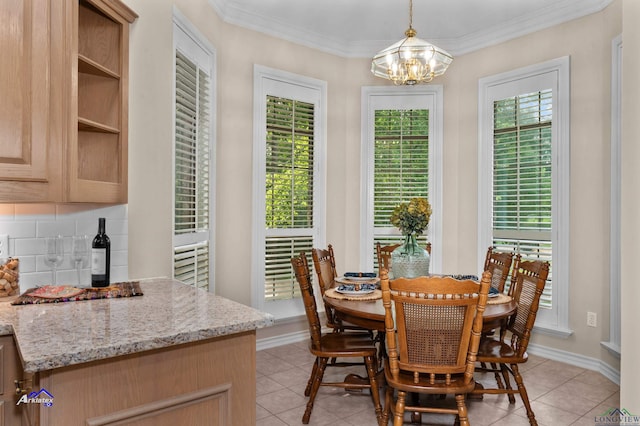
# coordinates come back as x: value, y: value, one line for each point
x: 522, y: 162
x: 401, y: 168
x: 289, y: 177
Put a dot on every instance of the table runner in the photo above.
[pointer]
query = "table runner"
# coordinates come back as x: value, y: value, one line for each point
x: 57, y: 294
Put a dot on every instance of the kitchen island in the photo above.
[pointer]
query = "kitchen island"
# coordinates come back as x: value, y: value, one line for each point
x: 176, y: 355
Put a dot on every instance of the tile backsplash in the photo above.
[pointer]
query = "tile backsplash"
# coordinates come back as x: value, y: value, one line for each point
x: 28, y: 224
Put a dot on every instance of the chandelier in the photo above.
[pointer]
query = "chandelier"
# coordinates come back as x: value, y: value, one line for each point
x: 411, y: 60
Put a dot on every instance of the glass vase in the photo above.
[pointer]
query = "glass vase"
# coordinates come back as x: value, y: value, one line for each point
x: 410, y: 260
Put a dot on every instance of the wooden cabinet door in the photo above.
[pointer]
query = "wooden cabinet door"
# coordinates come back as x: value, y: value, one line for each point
x: 25, y: 114
x: 10, y: 370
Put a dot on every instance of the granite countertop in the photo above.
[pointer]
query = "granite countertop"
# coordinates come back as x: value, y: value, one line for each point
x: 55, y: 335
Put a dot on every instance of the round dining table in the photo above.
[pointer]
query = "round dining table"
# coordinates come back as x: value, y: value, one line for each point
x: 369, y: 314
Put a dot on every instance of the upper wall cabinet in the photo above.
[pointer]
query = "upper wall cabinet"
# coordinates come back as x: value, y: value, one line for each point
x: 29, y: 163
x: 64, y: 134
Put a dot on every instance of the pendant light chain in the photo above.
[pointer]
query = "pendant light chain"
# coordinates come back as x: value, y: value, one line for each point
x: 411, y: 14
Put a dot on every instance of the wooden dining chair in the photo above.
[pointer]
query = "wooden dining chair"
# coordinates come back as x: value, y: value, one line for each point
x: 334, y: 345
x: 527, y: 284
x: 432, y: 340
x: 383, y: 254
x: 324, y: 264
x: 499, y: 264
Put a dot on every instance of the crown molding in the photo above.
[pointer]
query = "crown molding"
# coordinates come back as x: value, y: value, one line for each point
x: 547, y: 17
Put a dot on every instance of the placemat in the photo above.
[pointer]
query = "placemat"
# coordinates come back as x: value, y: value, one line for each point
x: 377, y: 294
x: 57, y: 294
x: 500, y: 298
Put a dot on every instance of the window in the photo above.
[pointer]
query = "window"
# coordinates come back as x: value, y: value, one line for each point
x: 402, y: 157
x: 522, y: 178
x: 525, y: 172
x: 193, y: 156
x: 288, y: 165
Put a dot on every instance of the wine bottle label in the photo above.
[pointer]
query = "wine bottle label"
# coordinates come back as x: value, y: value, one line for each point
x: 98, y: 261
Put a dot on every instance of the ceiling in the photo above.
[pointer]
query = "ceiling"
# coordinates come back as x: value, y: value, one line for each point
x: 360, y: 28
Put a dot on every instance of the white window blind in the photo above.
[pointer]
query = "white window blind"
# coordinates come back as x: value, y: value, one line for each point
x: 289, y: 193
x: 191, y: 147
x: 522, y: 180
x: 191, y: 264
x: 192, y: 158
x: 401, y: 167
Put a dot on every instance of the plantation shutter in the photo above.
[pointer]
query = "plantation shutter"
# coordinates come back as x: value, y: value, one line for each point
x: 522, y: 178
x: 191, y: 264
x: 192, y: 155
x: 401, y: 167
x: 289, y: 192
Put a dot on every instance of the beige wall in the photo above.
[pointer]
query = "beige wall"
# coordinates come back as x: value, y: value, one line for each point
x: 586, y: 40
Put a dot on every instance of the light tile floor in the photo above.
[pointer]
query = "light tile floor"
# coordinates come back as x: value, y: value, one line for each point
x: 560, y: 395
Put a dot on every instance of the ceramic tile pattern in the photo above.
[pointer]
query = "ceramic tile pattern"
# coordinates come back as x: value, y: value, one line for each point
x: 28, y: 224
x: 561, y: 394
x: 168, y: 313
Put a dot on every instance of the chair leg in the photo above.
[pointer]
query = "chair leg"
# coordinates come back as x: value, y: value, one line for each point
x: 372, y: 372
x: 462, y: 410
x: 496, y: 373
x: 416, y: 417
x: 388, y: 401
x: 317, y: 379
x: 314, y: 370
x: 398, y: 415
x: 507, y: 382
x: 523, y: 394
x: 380, y: 339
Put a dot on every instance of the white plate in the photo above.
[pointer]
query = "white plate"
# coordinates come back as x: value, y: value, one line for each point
x: 373, y: 279
x: 354, y: 292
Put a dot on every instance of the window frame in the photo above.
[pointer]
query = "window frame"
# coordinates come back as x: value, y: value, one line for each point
x: 269, y: 81
x: 614, y: 342
x: 382, y: 97
x: 192, y: 43
x: 554, y: 74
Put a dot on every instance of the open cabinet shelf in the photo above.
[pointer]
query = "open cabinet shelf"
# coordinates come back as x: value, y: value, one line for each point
x: 99, y: 154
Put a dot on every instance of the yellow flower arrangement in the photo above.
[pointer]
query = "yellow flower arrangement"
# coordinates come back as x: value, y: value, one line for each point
x: 412, y: 217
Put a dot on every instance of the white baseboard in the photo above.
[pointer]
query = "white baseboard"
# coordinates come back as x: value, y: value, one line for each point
x: 577, y: 360
x: 283, y: 339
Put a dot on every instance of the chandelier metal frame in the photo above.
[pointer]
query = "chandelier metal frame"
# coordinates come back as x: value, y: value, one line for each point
x: 411, y: 60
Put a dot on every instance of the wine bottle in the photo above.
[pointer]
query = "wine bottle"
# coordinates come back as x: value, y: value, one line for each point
x: 100, y: 257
